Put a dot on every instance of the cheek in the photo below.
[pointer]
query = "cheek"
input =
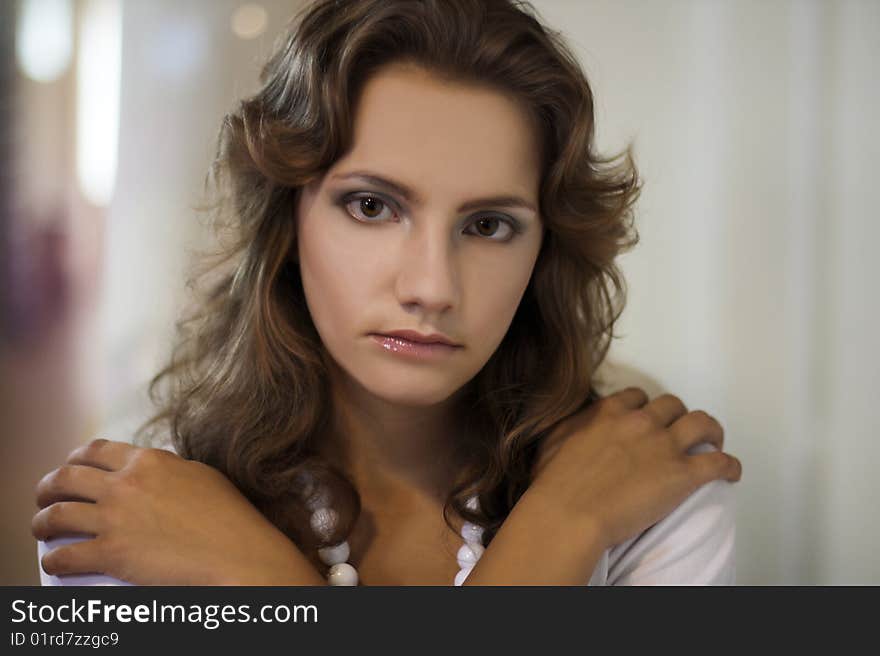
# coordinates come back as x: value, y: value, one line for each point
x: 326, y: 285
x: 336, y: 276
x: 495, y: 294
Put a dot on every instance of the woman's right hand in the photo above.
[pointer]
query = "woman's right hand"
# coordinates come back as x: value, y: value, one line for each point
x: 155, y: 518
x: 621, y: 465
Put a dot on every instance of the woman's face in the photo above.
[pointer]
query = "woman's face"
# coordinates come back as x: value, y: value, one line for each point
x: 438, y: 258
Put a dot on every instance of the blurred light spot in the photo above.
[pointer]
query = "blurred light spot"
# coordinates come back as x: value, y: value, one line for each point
x: 97, y: 98
x: 44, y: 38
x: 249, y: 21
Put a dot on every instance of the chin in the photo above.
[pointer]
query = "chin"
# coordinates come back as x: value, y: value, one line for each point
x: 413, y: 395
x: 402, y: 384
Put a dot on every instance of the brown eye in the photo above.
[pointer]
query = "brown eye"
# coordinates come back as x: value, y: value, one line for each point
x: 487, y: 226
x: 368, y: 208
x: 371, y: 206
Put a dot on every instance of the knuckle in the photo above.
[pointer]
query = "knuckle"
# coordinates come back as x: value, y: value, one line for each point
x: 62, y: 477
x: 640, y: 420
x: 135, y: 467
x: 89, y: 449
x: 138, y: 472
x: 50, y: 562
x: 45, y: 484
x: 96, y: 445
x: 146, y: 457
x: 737, y: 467
x: 55, y: 513
x: 726, y: 464
x: 122, y: 486
x: 611, y: 404
x: 126, y: 481
x: 705, y: 420
x: 37, y: 526
x: 712, y: 465
x: 77, y: 453
x: 60, y: 560
x: 672, y: 399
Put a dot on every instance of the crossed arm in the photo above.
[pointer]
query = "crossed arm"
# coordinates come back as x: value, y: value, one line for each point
x: 622, y: 473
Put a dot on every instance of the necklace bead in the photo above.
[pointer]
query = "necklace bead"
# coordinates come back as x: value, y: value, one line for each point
x: 336, y: 554
x: 472, y: 549
x: 323, y: 521
x: 469, y: 554
x: 461, y: 576
x: 342, y: 574
x: 472, y: 532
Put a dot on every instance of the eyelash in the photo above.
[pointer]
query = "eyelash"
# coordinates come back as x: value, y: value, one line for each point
x: 346, y: 199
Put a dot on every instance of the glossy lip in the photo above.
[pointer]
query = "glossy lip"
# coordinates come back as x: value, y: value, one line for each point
x: 412, y: 349
x: 413, y: 336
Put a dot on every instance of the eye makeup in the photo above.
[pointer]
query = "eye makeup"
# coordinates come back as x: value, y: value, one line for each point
x: 345, y: 199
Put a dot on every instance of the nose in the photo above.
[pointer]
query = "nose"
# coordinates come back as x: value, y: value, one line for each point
x: 427, y: 278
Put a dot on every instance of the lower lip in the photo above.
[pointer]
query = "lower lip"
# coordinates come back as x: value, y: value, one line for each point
x: 407, y: 348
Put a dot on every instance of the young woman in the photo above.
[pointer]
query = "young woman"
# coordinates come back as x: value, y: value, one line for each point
x: 392, y: 378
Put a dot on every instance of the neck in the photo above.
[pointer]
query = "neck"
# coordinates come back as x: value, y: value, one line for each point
x: 394, y: 454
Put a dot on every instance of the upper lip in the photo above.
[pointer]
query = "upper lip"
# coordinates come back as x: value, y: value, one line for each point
x: 415, y: 336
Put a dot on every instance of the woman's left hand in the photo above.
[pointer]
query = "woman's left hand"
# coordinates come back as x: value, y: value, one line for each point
x: 157, y: 519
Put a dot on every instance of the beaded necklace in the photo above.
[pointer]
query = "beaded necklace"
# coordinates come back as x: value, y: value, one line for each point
x: 323, y: 520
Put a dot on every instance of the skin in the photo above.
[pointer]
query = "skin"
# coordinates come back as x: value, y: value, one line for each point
x: 421, y: 264
x: 602, y: 476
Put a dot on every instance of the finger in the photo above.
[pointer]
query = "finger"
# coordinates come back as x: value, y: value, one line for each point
x: 71, y: 483
x: 77, y: 558
x: 65, y: 518
x: 630, y: 398
x: 666, y: 408
x: 696, y: 427
x: 715, y: 465
x: 103, y: 454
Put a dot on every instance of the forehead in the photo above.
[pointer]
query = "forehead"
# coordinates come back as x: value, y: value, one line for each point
x: 443, y: 136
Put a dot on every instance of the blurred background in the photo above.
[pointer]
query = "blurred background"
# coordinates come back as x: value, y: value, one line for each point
x: 752, y: 293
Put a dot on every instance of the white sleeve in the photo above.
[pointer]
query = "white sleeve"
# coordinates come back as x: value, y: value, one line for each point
x: 74, y: 579
x: 693, y: 545
x: 69, y: 579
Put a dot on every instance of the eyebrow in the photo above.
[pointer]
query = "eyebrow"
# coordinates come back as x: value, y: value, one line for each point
x: 410, y: 196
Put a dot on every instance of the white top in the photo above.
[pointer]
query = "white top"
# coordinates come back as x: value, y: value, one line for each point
x: 693, y: 545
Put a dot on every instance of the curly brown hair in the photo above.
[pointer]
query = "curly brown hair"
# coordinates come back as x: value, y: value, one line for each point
x: 247, y: 390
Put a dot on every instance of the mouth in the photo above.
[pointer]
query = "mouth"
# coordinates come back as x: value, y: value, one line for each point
x: 418, y: 338
x: 411, y: 348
